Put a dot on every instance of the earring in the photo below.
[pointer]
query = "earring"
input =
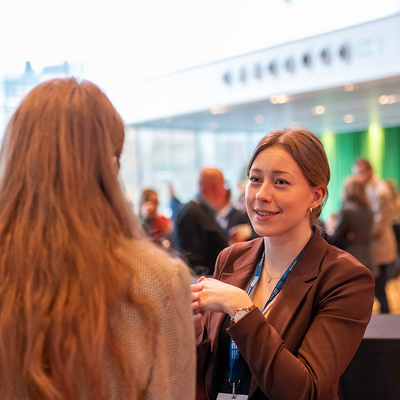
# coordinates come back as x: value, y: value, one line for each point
x: 310, y: 210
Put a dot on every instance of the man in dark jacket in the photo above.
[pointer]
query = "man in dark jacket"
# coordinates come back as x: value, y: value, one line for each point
x: 197, y: 235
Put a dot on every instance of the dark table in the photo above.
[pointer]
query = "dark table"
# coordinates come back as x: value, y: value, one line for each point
x: 374, y: 372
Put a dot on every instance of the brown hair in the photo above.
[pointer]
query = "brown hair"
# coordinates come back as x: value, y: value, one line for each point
x: 63, y: 222
x: 354, y: 190
x: 363, y: 162
x: 308, y: 152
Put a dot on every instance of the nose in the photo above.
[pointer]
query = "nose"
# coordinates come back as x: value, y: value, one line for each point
x: 265, y: 192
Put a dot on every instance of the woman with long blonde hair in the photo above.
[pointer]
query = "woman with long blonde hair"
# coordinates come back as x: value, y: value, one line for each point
x: 89, y: 308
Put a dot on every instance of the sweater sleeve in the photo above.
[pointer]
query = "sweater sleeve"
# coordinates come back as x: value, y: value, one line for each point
x: 176, y: 342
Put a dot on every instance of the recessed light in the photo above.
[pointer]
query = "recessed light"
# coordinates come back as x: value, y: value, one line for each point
x: 350, y: 87
x: 318, y: 110
x: 214, y: 125
x: 259, y: 118
x: 348, y: 118
x: 279, y: 99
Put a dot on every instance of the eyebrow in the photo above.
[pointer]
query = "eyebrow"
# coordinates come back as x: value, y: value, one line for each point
x: 275, y: 171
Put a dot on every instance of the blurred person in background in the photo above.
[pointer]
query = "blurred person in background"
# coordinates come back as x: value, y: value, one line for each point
x: 156, y: 226
x: 383, y: 244
x: 353, y: 231
x: 90, y: 309
x: 395, y: 267
x: 285, y: 313
x: 197, y: 235
x: 235, y: 223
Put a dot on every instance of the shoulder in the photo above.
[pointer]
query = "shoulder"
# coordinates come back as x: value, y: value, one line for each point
x: 320, y: 260
x: 159, y: 273
x: 348, y: 206
x: 191, y: 209
x: 340, y: 265
x: 239, y: 216
x: 242, y: 248
x: 381, y: 188
x: 243, y: 253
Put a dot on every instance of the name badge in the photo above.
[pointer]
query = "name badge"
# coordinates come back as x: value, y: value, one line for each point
x: 230, y: 396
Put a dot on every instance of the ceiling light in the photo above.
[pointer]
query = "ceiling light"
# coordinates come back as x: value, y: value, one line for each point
x: 259, y: 119
x: 214, y: 125
x: 350, y: 87
x: 218, y: 110
x: 389, y: 99
x: 279, y: 99
x: 318, y: 110
x: 348, y: 118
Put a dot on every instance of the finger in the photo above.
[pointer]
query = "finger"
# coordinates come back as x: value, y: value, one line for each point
x: 202, y: 278
x: 195, y: 306
x: 197, y: 317
x: 196, y: 287
x: 195, y: 296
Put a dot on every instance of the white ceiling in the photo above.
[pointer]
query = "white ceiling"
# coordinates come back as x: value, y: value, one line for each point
x: 362, y: 103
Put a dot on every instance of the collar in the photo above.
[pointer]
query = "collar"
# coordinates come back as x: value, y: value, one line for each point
x: 224, y: 211
x: 203, y: 202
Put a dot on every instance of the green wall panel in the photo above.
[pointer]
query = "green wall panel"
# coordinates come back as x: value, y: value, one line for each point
x: 391, y: 160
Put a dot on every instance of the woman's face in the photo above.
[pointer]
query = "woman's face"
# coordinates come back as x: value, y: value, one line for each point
x: 149, y: 207
x: 278, y: 196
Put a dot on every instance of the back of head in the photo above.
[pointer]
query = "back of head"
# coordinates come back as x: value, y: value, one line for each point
x: 58, y: 154
x: 354, y: 190
x: 363, y: 163
x: 307, y: 151
x: 363, y: 169
x: 62, y: 217
x: 212, y: 187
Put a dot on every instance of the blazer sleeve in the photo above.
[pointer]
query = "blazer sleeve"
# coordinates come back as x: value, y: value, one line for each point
x: 342, y: 307
x: 176, y: 342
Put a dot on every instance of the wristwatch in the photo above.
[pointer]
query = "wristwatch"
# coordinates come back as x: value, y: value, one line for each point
x: 239, y: 314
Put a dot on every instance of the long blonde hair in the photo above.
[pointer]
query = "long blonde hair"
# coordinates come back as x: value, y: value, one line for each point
x: 63, y: 222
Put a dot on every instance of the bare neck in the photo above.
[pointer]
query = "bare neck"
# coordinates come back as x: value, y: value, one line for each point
x: 280, y: 252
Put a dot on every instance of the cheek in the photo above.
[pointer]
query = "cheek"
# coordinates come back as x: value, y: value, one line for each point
x: 248, y: 197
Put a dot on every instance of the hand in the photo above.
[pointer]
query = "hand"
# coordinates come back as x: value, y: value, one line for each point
x: 198, y: 314
x: 212, y: 295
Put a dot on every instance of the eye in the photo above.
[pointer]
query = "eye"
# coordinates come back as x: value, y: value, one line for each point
x: 281, y: 182
x: 253, y: 178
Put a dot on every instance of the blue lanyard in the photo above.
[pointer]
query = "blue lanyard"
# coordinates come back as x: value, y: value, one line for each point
x: 237, y: 364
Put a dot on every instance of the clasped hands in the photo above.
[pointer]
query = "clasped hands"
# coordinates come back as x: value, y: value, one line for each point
x: 210, y: 294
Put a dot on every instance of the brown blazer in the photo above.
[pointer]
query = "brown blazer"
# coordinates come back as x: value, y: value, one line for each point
x: 312, y: 330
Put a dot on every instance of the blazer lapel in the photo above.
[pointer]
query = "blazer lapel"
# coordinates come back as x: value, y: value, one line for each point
x: 298, y: 284
x: 295, y: 289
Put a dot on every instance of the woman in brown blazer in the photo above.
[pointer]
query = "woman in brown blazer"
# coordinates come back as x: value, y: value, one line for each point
x: 285, y: 313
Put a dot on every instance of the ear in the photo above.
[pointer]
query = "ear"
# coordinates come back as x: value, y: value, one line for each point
x: 318, y: 195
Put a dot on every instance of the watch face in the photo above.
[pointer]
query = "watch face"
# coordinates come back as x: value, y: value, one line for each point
x: 240, y: 314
